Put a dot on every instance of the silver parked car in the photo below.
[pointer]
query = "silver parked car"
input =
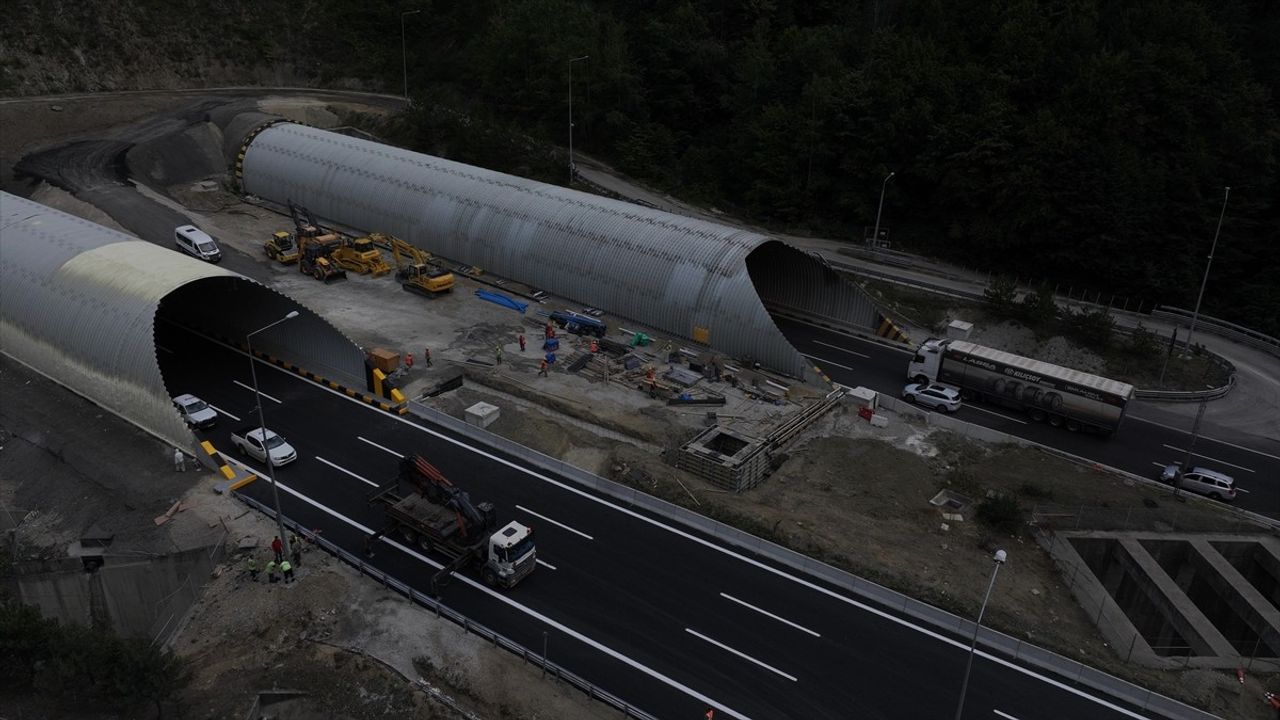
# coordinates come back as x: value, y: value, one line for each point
x: 933, y: 395
x: 1201, y: 481
x: 195, y: 411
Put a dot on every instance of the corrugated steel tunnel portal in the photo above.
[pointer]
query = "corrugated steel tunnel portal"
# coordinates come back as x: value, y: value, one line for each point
x: 700, y: 280
x: 102, y: 313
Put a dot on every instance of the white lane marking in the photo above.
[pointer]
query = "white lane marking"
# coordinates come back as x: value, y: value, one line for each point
x: 741, y: 654
x: 380, y: 447
x: 1206, y: 457
x: 1004, y: 715
x: 844, y: 350
x: 827, y: 362
x: 164, y: 349
x: 553, y: 522
x: 224, y: 412
x: 1159, y: 464
x: 502, y: 598
x: 711, y: 546
x: 997, y: 414
x: 339, y: 468
x: 250, y: 389
x: 1204, y: 437
x: 743, y: 603
x: 545, y: 564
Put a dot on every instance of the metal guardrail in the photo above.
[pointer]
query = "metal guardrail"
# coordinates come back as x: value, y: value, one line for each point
x: 442, y: 610
x: 1222, y: 328
x: 990, y: 641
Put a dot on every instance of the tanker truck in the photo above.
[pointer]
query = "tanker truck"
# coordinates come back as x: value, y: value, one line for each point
x: 1046, y: 392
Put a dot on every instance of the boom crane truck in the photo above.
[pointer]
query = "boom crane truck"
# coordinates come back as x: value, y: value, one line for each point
x: 1046, y: 392
x: 438, y: 516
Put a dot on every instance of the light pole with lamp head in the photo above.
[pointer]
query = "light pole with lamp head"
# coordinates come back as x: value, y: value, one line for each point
x: 875, y: 234
x: 1195, y: 315
x: 571, y: 62
x: 404, y: 56
x: 262, y: 423
x: 999, y: 558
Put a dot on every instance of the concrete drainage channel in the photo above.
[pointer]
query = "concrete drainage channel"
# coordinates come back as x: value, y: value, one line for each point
x: 1179, y: 600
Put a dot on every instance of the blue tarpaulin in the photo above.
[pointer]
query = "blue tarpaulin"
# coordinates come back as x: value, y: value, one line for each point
x: 502, y: 300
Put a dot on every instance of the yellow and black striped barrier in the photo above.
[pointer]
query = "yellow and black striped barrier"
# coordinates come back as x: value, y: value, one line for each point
x: 890, y: 331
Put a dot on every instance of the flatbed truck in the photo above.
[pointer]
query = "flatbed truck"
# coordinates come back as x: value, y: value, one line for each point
x: 438, y: 517
x: 1048, y: 393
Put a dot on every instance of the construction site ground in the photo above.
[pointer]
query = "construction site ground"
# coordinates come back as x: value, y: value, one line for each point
x: 848, y: 493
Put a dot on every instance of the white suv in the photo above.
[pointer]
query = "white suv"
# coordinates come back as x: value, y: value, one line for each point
x: 195, y: 411
x: 936, y: 396
x: 1201, y: 481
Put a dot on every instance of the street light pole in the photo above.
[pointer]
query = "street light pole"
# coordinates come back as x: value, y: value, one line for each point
x: 404, y: 56
x: 875, y: 235
x: 1196, y: 314
x: 999, y: 559
x: 262, y: 423
x: 571, y: 62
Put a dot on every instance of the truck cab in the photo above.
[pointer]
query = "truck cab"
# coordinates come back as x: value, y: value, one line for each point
x: 511, y: 557
x: 924, y: 365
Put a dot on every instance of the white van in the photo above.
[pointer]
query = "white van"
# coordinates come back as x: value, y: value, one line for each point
x: 197, y: 242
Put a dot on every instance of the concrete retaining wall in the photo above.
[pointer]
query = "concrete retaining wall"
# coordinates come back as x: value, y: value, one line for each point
x: 138, y: 597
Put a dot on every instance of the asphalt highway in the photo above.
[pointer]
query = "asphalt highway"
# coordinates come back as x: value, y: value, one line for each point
x: 1140, y: 446
x: 670, y: 621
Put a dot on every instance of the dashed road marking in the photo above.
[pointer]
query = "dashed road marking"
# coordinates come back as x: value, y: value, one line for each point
x: 554, y: 522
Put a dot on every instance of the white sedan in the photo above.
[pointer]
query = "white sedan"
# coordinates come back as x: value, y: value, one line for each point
x: 933, y: 395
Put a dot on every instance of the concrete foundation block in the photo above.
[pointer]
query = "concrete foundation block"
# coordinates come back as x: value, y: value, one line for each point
x: 482, y: 414
x: 879, y: 421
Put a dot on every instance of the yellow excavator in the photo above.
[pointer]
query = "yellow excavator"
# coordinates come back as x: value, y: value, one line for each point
x: 415, y: 271
x: 362, y: 256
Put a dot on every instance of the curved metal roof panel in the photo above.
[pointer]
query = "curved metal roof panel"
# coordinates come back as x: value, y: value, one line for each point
x: 675, y: 273
x: 79, y: 303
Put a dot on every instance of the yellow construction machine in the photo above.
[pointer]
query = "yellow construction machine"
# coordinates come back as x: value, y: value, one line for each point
x: 362, y: 256
x: 282, y: 248
x: 415, y: 271
x: 316, y: 246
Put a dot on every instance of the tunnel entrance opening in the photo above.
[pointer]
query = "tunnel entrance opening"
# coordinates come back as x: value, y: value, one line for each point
x: 795, y: 285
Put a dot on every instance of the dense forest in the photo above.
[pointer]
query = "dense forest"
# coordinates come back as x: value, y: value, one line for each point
x: 1081, y: 142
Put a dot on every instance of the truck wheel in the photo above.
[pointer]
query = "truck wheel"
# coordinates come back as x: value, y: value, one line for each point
x: 410, y: 537
x: 1073, y: 426
x: 489, y: 576
x: 1055, y: 420
x: 1037, y: 415
x: 424, y: 542
x: 920, y: 379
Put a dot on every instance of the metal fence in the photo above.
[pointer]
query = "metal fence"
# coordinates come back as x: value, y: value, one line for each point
x: 1239, y: 333
x: 468, y: 625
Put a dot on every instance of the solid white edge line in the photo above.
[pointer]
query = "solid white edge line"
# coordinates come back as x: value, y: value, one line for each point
x: 1206, y: 457
x: 829, y: 362
x: 844, y: 350
x: 223, y: 412
x: 1004, y: 715
x: 740, y: 654
x: 553, y: 522
x: 712, y: 546
x: 528, y: 610
x: 339, y: 468
x: 746, y: 604
x: 545, y: 564
x: 1204, y: 437
x: 380, y: 447
x: 997, y: 414
x: 250, y: 389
